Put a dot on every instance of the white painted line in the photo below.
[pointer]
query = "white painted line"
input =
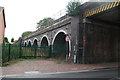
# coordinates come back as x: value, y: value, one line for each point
x: 39, y: 73
x: 8, y: 75
x: 32, y: 72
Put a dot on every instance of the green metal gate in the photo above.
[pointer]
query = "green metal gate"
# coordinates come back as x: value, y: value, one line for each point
x: 34, y: 51
x: 15, y: 51
x: 10, y: 52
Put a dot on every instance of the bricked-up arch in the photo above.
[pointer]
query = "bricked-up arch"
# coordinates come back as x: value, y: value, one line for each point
x: 60, y: 46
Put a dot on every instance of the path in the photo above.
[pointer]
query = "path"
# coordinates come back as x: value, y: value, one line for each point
x: 49, y: 66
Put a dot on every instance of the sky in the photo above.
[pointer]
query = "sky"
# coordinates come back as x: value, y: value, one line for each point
x: 22, y: 15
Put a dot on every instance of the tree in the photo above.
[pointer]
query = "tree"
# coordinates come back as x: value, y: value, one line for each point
x: 26, y: 33
x: 12, y: 40
x: 5, y: 40
x: 44, y: 22
x: 73, y: 8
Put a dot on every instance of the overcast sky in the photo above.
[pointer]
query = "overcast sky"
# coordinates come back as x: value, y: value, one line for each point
x: 22, y: 15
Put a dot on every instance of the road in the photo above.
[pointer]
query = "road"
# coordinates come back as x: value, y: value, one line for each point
x: 101, y: 73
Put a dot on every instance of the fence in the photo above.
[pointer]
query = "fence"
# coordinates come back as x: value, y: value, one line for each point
x: 12, y: 52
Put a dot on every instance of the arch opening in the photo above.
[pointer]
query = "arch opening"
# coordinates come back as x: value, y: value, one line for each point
x: 44, y: 42
x: 29, y: 44
x: 25, y: 44
x: 35, y: 43
x: 60, y: 46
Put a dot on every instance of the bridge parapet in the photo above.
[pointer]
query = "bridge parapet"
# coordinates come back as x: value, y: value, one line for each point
x: 101, y: 6
x: 53, y: 25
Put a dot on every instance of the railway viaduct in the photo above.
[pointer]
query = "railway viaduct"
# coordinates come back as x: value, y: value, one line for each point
x: 92, y: 36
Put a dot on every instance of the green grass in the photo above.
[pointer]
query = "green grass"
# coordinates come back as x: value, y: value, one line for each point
x: 12, y: 62
x: 58, y: 62
x: 16, y: 61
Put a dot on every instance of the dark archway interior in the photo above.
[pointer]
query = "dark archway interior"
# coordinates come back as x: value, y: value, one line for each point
x: 44, y: 42
x: 29, y: 43
x: 35, y: 43
x: 60, y: 39
x: 25, y: 44
x: 60, y: 47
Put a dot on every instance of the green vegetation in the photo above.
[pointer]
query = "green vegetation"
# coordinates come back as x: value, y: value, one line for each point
x: 58, y: 62
x: 5, y: 40
x: 12, y: 62
x: 21, y: 59
x: 73, y: 8
x: 26, y: 33
x: 44, y: 22
x: 12, y: 40
x: 16, y: 61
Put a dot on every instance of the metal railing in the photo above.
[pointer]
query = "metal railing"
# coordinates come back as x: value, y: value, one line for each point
x: 16, y: 51
x: 61, y: 15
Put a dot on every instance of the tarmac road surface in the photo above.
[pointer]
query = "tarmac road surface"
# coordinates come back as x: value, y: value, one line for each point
x: 100, y: 73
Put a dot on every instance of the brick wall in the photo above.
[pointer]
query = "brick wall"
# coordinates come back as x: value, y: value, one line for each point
x: 101, y: 43
x: 2, y: 27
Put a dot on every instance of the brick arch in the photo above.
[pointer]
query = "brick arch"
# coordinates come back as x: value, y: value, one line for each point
x: 65, y: 32
x: 34, y: 40
x: 29, y: 42
x: 25, y: 43
x: 45, y: 36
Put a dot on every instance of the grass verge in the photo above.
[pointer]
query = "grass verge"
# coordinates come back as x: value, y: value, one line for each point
x: 11, y: 62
